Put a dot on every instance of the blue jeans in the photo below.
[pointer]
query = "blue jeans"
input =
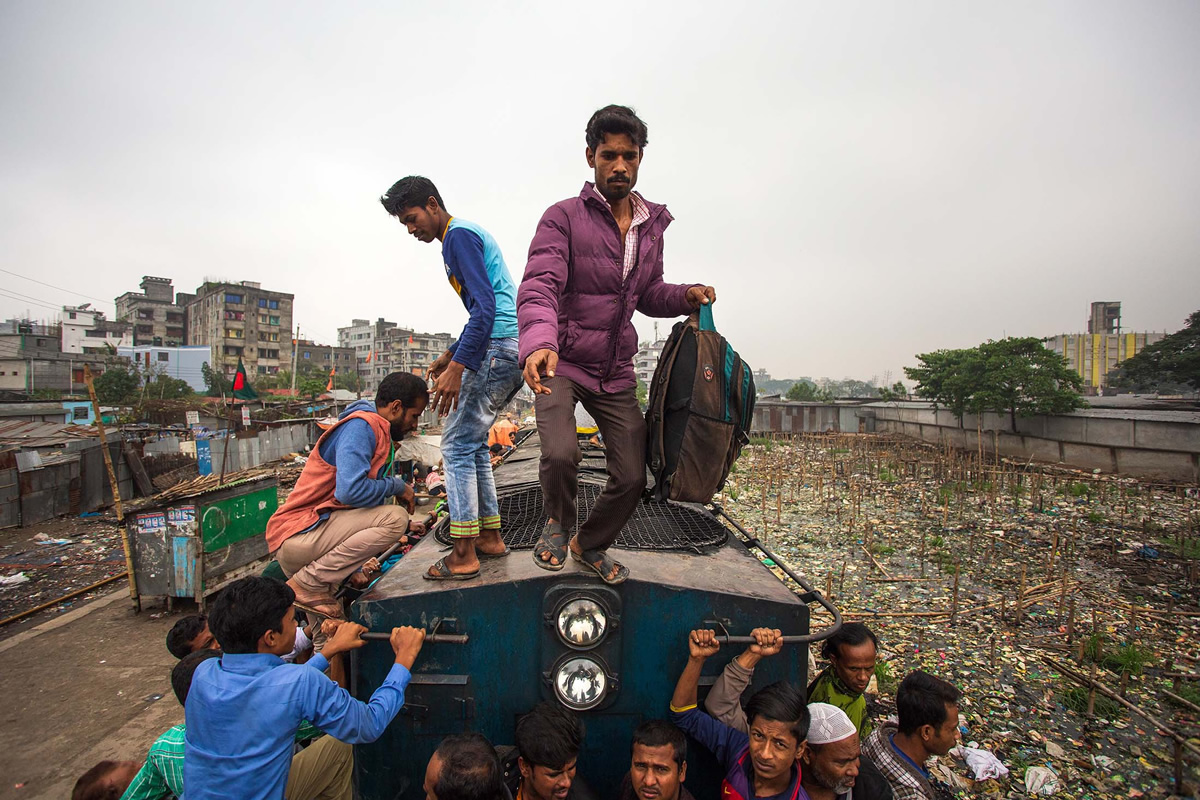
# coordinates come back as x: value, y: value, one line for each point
x: 470, y: 487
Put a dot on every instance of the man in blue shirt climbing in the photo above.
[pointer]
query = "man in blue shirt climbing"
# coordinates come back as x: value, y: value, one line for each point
x: 243, y: 708
x: 476, y: 378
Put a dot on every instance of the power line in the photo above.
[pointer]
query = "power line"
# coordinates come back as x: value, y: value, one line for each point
x: 52, y: 286
x: 22, y: 298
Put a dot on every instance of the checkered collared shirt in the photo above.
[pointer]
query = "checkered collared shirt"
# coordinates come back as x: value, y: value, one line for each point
x: 640, y: 214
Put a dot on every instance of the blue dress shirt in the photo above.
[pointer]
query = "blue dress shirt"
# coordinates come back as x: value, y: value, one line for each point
x: 242, y: 713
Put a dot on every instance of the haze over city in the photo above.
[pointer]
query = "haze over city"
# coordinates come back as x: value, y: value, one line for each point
x: 859, y: 181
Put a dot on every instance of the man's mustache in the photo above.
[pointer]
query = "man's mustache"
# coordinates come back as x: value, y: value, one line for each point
x: 618, y: 180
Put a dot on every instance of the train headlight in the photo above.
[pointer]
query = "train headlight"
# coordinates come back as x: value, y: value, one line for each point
x: 580, y: 683
x: 582, y: 622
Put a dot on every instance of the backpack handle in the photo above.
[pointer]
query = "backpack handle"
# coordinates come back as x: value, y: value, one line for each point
x: 706, y: 318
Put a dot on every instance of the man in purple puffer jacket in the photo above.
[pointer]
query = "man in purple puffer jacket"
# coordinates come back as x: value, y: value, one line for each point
x: 595, y: 259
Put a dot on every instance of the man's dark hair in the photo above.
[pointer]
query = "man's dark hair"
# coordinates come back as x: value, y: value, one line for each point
x: 496, y: 449
x: 92, y: 786
x: 851, y: 634
x: 411, y: 192
x: 179, y: 638
x: 470, y: 769
x: 248, y: 608
x: 616, y: 120
x: 780, y: 702
x: 548, y: 736
x: 402, y: 386
x: 181, y: 676
x: 922, y: 700
x: 659, y: 733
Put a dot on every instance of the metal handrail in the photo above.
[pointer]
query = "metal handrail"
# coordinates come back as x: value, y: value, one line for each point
x: 810, y: 594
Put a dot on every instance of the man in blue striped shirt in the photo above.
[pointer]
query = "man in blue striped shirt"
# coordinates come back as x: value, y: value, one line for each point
x: 476, y: 378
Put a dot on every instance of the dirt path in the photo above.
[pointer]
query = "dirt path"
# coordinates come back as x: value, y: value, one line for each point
x: 92, y: 684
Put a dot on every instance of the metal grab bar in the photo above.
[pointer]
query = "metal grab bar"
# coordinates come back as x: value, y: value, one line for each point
x: 810, y: 594
x: 434, y: 638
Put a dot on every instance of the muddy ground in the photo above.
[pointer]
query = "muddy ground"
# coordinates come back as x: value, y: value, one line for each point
x: 883, y: 524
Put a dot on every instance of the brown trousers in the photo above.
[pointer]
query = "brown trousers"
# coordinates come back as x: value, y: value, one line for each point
x: 325, y: 556
x: 322, y: 771
x: 624, y: 430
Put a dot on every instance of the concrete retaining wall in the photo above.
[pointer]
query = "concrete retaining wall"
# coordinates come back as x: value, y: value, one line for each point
x: 1149, y: 445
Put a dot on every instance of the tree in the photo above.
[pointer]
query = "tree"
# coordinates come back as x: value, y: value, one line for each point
x: 806, y: 391
x: 1171, y: 362
x: 897, y: 392
x: 217, y: 383
x: 117, y: 385
x: 1023, y: 377
x: 643, y: 394
x: 310, y: 386
x: 949, y: 378
x: 164, y: 387
x: 350, y: 381
x: 1017, y: 375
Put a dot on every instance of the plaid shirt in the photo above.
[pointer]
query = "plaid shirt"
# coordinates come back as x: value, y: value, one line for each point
x: 907, y: 781
x: 640, y: 214
x: 162, y: 774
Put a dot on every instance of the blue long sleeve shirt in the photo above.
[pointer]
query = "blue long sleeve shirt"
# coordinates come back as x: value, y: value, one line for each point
x: 732, y: 748
x: 476, y: 270
x: 349, y: 449
x: 242, y: 713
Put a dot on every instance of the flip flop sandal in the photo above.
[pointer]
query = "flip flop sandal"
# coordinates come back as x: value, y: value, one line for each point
x: 441, y: 572
x: 599, y: 562
x: 553, y: 541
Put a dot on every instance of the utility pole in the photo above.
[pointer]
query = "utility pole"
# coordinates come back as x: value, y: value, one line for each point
x: 295, y: 350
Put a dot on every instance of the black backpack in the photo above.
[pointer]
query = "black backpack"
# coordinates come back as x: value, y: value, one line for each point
x: 700, y: 409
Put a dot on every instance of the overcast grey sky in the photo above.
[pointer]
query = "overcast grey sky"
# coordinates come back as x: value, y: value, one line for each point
x: 861, y: 181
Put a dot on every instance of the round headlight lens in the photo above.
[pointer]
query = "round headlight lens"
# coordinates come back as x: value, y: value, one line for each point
x: 582, y: 622
x: 580, y: 683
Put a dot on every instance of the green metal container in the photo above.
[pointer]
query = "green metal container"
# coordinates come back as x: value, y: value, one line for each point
x: 191, y: 545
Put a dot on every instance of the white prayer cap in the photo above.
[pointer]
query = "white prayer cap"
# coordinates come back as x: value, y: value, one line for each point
x: 829, y: 724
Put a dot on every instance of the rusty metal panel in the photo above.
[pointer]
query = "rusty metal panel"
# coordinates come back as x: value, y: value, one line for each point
x: 10, y: 499
x: 152, y: 553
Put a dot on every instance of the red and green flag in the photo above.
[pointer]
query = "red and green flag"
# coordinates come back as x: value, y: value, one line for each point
x: 242, y: 389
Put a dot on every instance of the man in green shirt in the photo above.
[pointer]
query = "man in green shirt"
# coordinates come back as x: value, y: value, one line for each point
x: 852, y: 652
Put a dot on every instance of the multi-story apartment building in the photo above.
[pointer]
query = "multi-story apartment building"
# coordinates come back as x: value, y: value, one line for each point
x: 405, y: 350
x: 156, y: 314
x: 242, y: 320
x: 646, y: 360
x: 85, y: 330
x: 1099, y: 351
x: 321, y: 358
x: 31, y: 359
x: 362, y: 337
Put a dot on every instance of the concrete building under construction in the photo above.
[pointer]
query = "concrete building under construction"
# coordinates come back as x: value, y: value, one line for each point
x: 1099, y: 351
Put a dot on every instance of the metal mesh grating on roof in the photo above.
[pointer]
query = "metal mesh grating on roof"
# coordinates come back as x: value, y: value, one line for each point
x: 654, y: 525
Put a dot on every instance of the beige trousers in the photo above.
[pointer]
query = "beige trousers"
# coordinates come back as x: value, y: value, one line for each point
x: 321, y: 559
x: 322, y: 771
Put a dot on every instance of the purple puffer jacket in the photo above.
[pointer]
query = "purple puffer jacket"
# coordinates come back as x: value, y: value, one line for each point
x: 572, y: 299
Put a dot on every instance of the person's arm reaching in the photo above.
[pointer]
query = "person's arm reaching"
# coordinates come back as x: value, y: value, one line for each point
x: 724, y: 699
x: 351, y: 457
x: 463, y: 251
x: 335, y: 711
x: 538, y: 297
x: 723, y: 741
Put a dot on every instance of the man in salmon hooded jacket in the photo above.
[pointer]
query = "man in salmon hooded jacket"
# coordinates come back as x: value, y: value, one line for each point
x: 341, y: 515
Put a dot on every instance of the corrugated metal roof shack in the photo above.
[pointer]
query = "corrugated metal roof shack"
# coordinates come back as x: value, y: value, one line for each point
x: 48, y: 469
